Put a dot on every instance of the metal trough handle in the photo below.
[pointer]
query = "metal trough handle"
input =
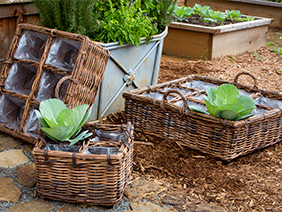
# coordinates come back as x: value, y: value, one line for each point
x: 246, y: 73
x: 60, y: 82
x: 185, y: 104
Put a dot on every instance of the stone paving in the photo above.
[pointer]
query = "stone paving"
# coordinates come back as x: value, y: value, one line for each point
x: 18, y: 189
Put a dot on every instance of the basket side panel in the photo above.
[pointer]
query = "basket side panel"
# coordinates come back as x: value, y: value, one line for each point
x: 89, y: 74
x: 219, y: 140
x: 93, y: 181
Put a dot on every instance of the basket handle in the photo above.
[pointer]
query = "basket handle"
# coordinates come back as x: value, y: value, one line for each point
x: 185, y: 104
x: 60, y: 82
x: 246, y: 73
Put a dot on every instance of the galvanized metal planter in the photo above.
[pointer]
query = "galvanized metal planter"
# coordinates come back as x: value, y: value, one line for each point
x: 128, y: 68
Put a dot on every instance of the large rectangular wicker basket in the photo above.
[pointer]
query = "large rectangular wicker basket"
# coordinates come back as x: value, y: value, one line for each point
x: 45, y: 63
x: 97, y: 179
x: 163, y: 111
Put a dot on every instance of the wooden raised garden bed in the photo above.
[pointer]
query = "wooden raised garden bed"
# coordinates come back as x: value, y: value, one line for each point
x: 261, y: 8
x: 190, y: 40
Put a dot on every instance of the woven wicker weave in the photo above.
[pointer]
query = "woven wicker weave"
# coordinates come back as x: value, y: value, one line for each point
x: 84, y: 78
x: 220, y: 138
x: 98, y: 179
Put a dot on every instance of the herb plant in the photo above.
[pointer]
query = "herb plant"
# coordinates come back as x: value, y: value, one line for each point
x: 209, y: 15
x: 225, y: 102
x: 123, y: 21
x: 160, y: 10
x: 69, y: 15
x: 62, y: 124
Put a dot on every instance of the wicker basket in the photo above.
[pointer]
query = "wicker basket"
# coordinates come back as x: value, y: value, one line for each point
x: 35, y: 56
x: 220, y: 138
x: 98, y: 179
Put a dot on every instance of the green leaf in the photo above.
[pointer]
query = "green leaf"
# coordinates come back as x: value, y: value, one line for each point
x: 81, y: 136
x: 213, y: 110
x: 211, y: 92
x: 234, y: 107
x: 247, y: 102
x: 40, y: 118
x: 62, y: 116
x: 75, y: 118
x: 86, y: 116
x: 58, y: 133
x: 226, y: 94
x: 48, y: 113
x: 197, y: 109
x: 228, y: 114
x: 244, y: 116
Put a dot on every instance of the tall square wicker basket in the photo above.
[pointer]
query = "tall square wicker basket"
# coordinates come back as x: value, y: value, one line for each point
x: 45, y: 63
x: 95, y: 179
x: 163, y: 111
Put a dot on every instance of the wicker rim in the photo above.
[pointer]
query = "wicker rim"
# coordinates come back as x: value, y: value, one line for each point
x: 134, y: 94
x: 41, y: 143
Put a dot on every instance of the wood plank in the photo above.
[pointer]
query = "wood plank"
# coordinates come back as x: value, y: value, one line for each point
x: 239, y: 41
x: 260, y: 2
x: 187, y: 43
x: 180, y: 2
x: 193, y: 27
x: 8, y: 11
x: 7, y: 30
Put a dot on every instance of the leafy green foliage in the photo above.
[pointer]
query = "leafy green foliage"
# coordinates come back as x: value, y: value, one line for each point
x: 69, y: 15
x: 123, y: 21
x: 182, y: 12
x: 225, y: 102
x: 256, y: 55
x: 160, y: 10
x: 276, y: 49
x: 209, y: 15
x: 62, y: 124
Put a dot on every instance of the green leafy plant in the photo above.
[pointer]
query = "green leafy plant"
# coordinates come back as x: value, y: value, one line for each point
x: 160, y: 10
x: 233, y: 59
x: 235, y: 15
x: 256, y: 55
x: 62, y: 124
x: 209, y: 15
x: 182, y: 12
x: 277, y: 50
x: 225, y: 102
x: 270, y: 44
x: 214, y: 16
x: 123, y: 21
x: 69, y: 15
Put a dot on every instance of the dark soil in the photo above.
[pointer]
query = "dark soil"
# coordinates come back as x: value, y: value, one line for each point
x: 198, y: 20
